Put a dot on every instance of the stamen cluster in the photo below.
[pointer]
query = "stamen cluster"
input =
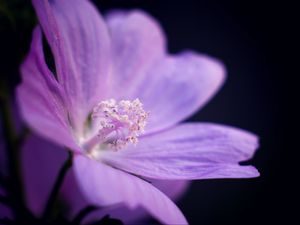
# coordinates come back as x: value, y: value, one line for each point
x: 120, y: 122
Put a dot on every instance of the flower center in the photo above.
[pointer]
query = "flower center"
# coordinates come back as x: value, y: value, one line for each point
x: 120, y: 123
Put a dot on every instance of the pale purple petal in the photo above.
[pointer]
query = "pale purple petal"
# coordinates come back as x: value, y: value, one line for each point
x: 75, y: 201
x: 173, y: 189
x: 189, y: 151
x: 137, y: 43
x: 41, y: 162
x: 103, y: 184
x: 41, y: 99
x: 80, y: 43
x: 178, y: 86
x: 170, y: 87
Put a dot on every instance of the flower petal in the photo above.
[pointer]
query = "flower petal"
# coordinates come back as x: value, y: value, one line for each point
x: 137, y: 42
x: 75, y: 201
x: 189, y: 151
x: 41, y: 162
x: 101, y: 183
x: 171, y: 87
x: 178, y: 86
x: 80, y: 43
x: 41, y: 99
x: 174, y: 189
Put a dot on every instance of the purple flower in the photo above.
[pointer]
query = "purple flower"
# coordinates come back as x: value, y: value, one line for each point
x: 116, y: 100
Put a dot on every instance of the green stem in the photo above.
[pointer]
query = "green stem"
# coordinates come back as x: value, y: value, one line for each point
x: 49, y: 209
x: 13, y: 154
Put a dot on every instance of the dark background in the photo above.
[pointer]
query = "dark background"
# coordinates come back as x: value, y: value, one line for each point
x: 255, y: 40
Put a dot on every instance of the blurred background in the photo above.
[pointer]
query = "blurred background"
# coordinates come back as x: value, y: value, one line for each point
x: 254, y: 39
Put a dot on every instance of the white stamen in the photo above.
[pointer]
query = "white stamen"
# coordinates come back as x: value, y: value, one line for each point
x: 120, y: 123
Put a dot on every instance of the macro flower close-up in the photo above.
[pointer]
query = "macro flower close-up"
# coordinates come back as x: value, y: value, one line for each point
x: 116, y: 102
x: 101, y: 113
